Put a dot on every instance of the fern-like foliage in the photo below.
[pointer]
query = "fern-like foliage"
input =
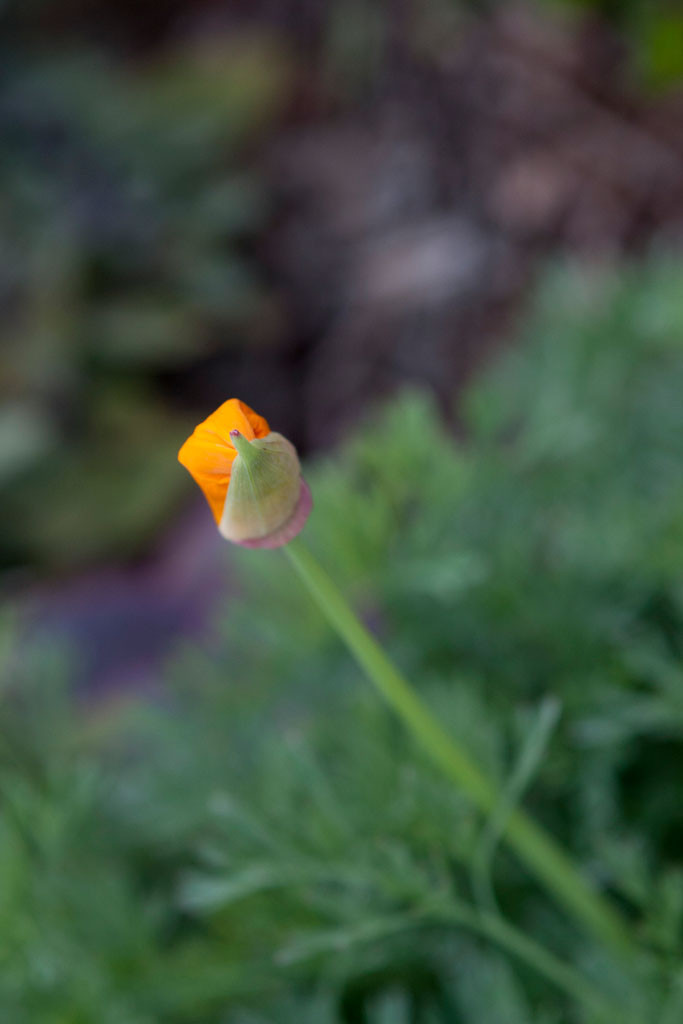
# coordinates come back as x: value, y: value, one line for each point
x: 266, y: 845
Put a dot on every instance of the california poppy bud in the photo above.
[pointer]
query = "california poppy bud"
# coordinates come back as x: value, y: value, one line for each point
x: 250, y: 477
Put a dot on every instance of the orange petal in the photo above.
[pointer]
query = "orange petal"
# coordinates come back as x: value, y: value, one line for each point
x: 208, y: 453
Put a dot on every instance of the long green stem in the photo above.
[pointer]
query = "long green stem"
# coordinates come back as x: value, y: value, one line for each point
x: 538, y: 850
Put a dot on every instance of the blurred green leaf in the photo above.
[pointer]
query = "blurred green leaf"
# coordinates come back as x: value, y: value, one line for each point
x: 25, y: 436
x: 145, y: 333
x: 111, y: 491
x: 661, y: 48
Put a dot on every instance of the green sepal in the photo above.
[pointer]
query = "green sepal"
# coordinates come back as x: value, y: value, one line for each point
x: 264, y: 490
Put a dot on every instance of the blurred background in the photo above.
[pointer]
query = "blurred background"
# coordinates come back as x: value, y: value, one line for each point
x: 438, y: 244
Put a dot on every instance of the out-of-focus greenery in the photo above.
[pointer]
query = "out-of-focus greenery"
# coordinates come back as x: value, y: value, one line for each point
x: 653, y: 30
x: 357, y: 35
x: 123, y: 213
x: 268, y: 846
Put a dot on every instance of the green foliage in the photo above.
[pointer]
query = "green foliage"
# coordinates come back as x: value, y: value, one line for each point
x: 652, y: 29
x: 267, y: 845
x: 125, y: 202
x: 661, y: 55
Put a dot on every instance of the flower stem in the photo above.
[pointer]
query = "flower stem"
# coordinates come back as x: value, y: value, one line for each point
x: 542, y: 855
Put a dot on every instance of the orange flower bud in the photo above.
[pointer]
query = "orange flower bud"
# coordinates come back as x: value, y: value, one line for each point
x: 250, y: 477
